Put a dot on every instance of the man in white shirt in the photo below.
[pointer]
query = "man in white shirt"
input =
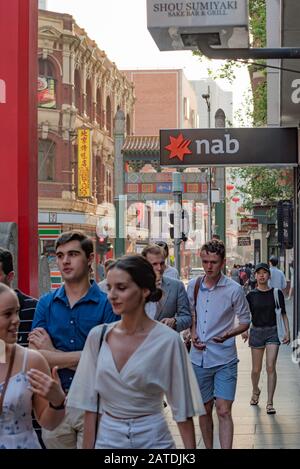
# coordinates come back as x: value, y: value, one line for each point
x: 219, y: 302
x: 277, y: 279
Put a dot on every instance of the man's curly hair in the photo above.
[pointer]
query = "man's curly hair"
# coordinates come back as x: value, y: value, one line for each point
x: 214, y: 246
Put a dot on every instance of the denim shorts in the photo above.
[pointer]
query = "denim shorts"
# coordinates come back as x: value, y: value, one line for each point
x: 259, y: 337
x: 217, y: 382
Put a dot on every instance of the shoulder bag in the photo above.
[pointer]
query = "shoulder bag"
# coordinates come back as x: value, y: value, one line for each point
x: 279, y: 319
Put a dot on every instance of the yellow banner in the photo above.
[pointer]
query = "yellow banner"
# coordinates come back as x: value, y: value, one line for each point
x: 84, y: 163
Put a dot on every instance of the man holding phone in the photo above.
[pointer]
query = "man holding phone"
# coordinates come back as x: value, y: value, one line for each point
x: 219, y: 301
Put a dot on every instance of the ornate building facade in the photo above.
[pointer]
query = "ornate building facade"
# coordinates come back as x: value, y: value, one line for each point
x: 78, y: 88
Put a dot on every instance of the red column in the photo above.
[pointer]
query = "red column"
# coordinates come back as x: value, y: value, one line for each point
x: 18, y: 127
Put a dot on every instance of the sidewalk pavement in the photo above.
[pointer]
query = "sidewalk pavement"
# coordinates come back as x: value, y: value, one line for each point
x: 253, y: 427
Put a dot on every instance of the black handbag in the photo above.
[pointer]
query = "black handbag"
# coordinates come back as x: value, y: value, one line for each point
x: 98, y: 397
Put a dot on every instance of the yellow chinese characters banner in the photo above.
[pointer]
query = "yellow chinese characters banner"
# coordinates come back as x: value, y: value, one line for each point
x: 84, y: 163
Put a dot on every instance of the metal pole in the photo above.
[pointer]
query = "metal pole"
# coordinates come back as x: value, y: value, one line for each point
x: 119, y: 196
x: 177, y: 197
x: 209, y: 206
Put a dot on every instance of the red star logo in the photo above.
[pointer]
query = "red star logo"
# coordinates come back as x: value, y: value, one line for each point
x: 178, y: 147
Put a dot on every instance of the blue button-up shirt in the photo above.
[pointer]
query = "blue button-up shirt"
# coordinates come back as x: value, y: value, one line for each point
x: 68, y: 327
x: 217, y: 309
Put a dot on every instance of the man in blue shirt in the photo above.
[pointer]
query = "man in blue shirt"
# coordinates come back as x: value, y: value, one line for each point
x: 62, y: 321
x: 219, y: 302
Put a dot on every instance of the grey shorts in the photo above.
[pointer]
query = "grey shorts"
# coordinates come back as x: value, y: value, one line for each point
x: 259, y: 337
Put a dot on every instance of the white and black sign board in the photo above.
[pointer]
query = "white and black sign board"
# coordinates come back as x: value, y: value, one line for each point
x: 229, y: 147
x: 168, y: 20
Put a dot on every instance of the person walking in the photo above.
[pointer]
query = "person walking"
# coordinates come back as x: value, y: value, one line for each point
x: 216, y: 302
x: 173, y: 309
x: 169, y: 270
x: 26, y: 383
x: 62, y: 321
x: 139, y: 361
x: 291, y: 289
x: 277, y: 278
x: 263, y: 335
x: 103, y: 284
x: 27, y: 303
x: 26, y: 312
x: 234, y: 273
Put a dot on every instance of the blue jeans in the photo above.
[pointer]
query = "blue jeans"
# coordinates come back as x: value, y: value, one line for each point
x: 217, y: 382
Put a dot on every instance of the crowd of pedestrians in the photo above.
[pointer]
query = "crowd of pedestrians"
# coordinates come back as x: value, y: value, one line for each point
x: 97, y: 363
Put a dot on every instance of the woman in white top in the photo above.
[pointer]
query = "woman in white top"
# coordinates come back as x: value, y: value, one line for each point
x: 140, y: 361
x: 22, y: 390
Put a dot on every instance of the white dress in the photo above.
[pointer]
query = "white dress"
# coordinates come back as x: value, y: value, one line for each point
x: 159, y: 366
x: 16, y: 431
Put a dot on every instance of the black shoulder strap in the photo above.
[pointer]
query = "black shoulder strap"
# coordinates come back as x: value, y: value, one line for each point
x: 102, y: 335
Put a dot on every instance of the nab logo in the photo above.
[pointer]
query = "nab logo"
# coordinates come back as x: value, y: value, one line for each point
x: 2, y: 92
x: 217, y: 146
x: 179, y: 147
x: 295, y: 97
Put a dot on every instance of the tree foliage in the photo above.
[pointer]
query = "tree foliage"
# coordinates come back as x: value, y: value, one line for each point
x: 265, y: 186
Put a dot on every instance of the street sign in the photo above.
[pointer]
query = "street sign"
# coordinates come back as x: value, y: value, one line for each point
x: 248, y: 224
x: 290, y: 80
x: 244, y: 241
x: 229, y: 147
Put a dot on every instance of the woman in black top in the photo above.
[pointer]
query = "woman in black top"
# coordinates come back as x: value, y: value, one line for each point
x: 263, y: 333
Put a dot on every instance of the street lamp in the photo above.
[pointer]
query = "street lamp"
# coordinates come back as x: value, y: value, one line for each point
x: 206, y: 97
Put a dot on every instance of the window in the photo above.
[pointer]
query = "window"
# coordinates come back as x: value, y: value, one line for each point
x: 186, y: 108
x: 47, y: 149
x: 108, y: 116
x: 89, y: 103
x: 128, y: 124
x: 46, y: 85
x: 100, y: 118
x: 77, y: 82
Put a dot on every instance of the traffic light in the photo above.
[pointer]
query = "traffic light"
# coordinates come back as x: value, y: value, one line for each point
x: 285, y: 223
x: 171, y: 217
x: 103, y: 244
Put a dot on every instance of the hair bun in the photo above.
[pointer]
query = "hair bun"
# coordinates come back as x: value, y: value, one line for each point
x: 155, y: 295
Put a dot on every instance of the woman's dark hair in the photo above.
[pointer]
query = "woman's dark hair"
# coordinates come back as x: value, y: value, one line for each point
x: 6, y: 260
x: 141, y: 272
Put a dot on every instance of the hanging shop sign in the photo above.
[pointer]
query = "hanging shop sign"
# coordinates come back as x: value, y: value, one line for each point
x: 229, y: 147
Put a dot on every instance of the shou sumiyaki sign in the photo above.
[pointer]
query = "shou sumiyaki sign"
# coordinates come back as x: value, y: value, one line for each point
x: 84, y: 163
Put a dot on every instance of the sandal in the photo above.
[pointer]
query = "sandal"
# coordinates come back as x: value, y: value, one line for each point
x: 270, y: 409
x: 255, y: 398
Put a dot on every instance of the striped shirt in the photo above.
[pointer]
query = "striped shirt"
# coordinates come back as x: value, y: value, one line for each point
x: 27, y: 309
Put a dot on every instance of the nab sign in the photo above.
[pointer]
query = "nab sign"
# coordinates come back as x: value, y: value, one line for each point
x: 229, y: 147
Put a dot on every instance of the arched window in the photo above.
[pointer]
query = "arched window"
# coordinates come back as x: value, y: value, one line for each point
x: 89, y: 103
x: 46, y: 85
x: 108, y: 116
x: 47, y: 150
x: 77, y: 82
x: 128, y: 124
x: 220, y: 118
x: 100, y: 119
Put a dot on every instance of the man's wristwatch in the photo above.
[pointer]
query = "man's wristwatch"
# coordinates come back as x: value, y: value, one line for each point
x: 58, y: 407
